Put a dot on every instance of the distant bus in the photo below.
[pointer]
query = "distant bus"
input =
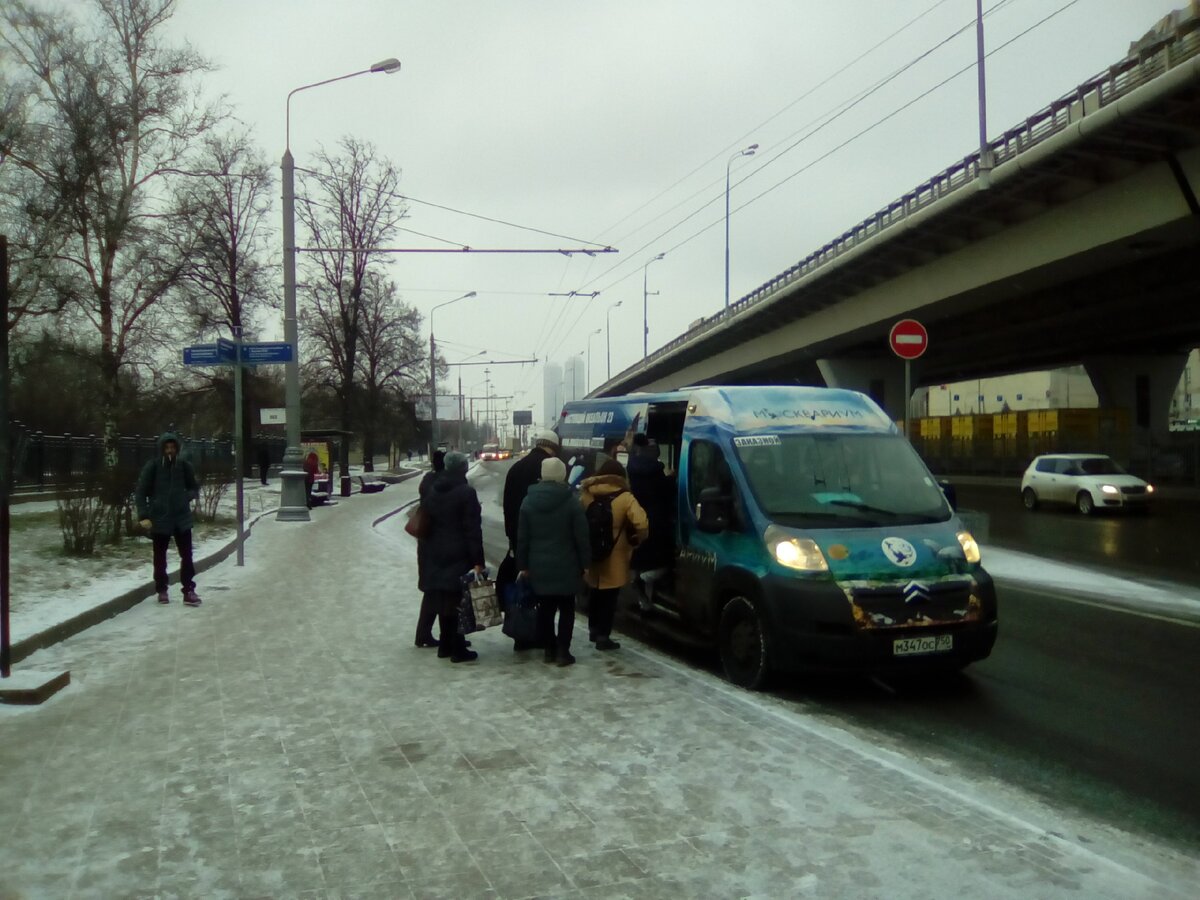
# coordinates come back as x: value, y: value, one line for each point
x: 808, y: 534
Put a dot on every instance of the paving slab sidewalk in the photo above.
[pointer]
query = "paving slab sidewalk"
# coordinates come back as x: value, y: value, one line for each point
x: 287, y: 740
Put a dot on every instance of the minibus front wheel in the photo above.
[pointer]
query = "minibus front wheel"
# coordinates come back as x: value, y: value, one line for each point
x: 742, y: 641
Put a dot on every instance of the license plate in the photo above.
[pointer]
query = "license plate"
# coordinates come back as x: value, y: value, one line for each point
x: 917, y: 646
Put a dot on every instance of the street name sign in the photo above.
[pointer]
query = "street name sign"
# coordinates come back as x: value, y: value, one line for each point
x: 266, y: 353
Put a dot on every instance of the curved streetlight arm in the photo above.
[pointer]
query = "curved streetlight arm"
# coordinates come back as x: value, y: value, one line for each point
x: 387, y: 66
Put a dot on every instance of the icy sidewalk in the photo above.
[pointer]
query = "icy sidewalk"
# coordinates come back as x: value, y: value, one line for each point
x: 286, y: 739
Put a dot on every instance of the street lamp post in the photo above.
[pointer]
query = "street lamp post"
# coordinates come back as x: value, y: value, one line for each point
x: 645, y: 295
x: 749, y: 151
x: 587, y: 385
x: 293, y: 502
x: 433, y: 429
x: 608, y: 341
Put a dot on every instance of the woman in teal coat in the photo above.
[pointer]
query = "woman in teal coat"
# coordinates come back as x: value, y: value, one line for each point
x: 553, y: 549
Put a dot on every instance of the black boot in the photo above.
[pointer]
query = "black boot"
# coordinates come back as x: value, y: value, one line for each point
x: 461, y: 653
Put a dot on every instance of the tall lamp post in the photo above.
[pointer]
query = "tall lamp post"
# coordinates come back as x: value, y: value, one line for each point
x: 608, y: 341
x: 587, y: 386
x: 645, y: 295
x: 433, y: 429
x: 293, y: 503
x: 749, y: 151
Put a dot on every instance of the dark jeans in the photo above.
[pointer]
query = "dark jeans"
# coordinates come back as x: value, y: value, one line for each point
x: 446, y: 603
x: 564, y: 605
x: 263, y: 469
x: 602, y: 609
x: 430, y: 607
x: 187, y: 570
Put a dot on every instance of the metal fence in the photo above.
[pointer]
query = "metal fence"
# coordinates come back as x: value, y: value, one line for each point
x: 54, y: 461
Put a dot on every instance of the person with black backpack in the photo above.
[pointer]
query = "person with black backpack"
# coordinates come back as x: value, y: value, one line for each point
x: 616, y: 524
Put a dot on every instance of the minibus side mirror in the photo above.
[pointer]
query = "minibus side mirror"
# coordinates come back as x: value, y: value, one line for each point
x: 950, y: 492
x: 714, y: 510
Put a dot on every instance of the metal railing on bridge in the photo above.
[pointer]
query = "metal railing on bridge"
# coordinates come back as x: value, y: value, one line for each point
x: 1093, y: 95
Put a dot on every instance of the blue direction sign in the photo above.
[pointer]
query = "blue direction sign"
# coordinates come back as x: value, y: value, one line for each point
x: 266, y: 353
x: 202, y: 355
x: 224, y: 353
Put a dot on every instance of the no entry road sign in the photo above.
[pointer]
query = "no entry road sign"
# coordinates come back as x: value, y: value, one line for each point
x: 908, y: 339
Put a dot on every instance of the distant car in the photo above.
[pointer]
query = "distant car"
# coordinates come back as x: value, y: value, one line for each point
x: 493, y: 452
x: 1087, y: 481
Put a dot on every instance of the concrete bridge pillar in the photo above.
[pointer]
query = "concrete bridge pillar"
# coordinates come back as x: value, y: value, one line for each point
x: 880, y: 378
x: 1143, y: 385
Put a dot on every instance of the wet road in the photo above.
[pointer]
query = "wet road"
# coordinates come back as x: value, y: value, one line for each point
x: 1159, y: 545
x: 1089, y: 708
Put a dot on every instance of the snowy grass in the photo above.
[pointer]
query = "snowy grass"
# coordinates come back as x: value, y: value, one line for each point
x: 49, y: 587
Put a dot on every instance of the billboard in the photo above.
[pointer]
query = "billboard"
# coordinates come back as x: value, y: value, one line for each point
x: 522, y: 417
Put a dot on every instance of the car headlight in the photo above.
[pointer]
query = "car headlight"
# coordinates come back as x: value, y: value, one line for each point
x: 969, y: 546
x: 1109, y: 489
x: 798, y: 553
x: 1149, y: 489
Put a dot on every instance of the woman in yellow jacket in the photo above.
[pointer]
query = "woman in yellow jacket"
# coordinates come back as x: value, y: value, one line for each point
x: 606, y: 577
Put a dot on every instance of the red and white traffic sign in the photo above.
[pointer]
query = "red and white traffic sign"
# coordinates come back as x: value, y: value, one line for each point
x: 908, y: 339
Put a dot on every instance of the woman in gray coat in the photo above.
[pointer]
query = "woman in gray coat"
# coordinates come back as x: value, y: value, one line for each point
x: 553, y: 549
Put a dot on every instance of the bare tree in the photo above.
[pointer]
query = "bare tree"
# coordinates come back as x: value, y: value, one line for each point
x: 117, y: 111
x: 226, y: 274
x: 350, y: 209
x: 391, y: 364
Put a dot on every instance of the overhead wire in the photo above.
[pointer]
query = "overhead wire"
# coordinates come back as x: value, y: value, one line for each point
x: 825, y: 155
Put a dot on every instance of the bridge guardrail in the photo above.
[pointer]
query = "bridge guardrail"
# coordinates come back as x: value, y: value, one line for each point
x: 1093, y: 95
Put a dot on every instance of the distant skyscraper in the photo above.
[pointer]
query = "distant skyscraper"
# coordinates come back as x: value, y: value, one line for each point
x: 574, y: 378
x: 552, y: 393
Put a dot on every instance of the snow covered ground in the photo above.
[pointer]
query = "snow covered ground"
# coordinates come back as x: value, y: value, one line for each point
x: 49, y: 588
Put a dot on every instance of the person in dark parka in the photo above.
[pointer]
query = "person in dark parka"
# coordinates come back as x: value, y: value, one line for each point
x: 522, y: 475
x: 429, y: 603
x: 553, y: 549
x: 654, y: 490
x: 166, y: 488
x: 454, y: 547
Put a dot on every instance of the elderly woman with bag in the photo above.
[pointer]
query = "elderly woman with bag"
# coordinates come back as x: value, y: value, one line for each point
x: 552, y: 551
x: 453, y: 546
x: 608, y: 574
x: 418, y: 524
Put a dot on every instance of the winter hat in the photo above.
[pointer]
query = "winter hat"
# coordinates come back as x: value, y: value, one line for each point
x: 456, y: 462
x: 612, y: 467
x: 554, y: 469
x: 439, y: 460
x: 547, y: 438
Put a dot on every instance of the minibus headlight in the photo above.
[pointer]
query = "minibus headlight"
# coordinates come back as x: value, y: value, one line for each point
x: 1109, y: 489
x: 798, y: 553
x: 1149, y: 489
x: 969, y: 547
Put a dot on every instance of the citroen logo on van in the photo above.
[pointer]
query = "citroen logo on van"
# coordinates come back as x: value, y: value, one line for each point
x: 915, y: 592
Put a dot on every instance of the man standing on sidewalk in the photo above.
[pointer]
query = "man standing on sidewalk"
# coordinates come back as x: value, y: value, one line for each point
x: 165, y: 491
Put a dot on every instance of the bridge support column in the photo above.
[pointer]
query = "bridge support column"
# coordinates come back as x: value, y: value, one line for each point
x: 1143, y: 385
x: 880, y: 378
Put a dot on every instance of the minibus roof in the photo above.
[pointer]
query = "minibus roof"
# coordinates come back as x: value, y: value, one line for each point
x: 742, y: 409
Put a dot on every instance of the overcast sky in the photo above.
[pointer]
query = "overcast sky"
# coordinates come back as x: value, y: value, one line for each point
x: 612, y: 122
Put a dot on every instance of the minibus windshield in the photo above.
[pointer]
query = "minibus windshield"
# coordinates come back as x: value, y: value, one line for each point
x: 840, y: 480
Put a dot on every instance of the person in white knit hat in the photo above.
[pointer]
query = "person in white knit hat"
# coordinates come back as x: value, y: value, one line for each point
x: 553, y: 549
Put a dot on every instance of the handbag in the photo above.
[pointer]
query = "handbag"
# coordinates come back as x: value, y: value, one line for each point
x: 478, y: 609
x: 520, y: 612
x: 419, y: 523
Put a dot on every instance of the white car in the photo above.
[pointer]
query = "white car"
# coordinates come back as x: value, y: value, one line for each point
x: 1088, y: 481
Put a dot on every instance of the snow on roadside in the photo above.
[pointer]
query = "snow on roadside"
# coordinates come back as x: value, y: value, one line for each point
x: 1158, y: 597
